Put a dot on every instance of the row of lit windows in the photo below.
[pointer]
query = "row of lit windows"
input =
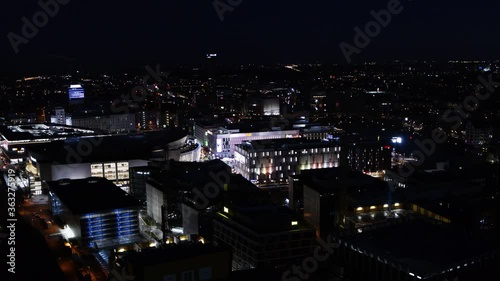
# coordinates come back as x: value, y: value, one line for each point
x: 98, y: 230
x: 118, y: 221
x: 121, y: 213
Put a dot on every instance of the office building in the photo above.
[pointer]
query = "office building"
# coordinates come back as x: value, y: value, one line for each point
x: 138, y: 178
x: 95, y: 212
x: 340, y: 199
x: 262, y: 234
x: 175, y: 184
x: 117, y: 123
x: 60, y: 117
x: 476, y: 134
x: 371, y: 158
x: 273, y: 161
x: 110, y: 157
x: 271, y: 107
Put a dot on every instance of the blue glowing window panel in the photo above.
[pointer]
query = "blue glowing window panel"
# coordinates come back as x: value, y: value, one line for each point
x: 76, y: 92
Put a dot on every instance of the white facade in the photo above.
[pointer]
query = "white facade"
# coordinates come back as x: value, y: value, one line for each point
x: 154, y: 199
x: 271, y: 165
x: 61, y: 118
x: 115, y: 171
x: 223, y: 142
x: 113, y: 123
x: 271, y: 107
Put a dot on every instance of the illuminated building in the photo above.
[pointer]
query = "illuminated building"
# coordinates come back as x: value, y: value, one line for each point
x: 201, y: 129
x: 138, y: 178
x: 19, y: 136
x: 320, y: 103
x: 76, y: 91
x: 108, y: 156
x: 333, y: 198
x: 271, y: 106
x: 371, y: 158
x: 477, y: 134
x: 175, y: 182
x: 436, y: 252
x: 116, y: 123
x: 149, y: 120
x: 95, y: 211
x: 60, y: 117
x: 273, y: 161
x: 261, y: 233
x: 222, y: 142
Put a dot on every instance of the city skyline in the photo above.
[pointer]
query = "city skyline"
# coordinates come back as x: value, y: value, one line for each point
x: 238, y: 140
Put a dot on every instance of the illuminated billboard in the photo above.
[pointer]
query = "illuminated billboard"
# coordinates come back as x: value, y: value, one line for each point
x: 76, y: 92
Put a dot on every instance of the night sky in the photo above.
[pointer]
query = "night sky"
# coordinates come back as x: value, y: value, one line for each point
x: 105, y: 35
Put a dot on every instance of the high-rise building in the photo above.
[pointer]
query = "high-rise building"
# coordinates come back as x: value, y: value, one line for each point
x: 60, y: 117
x: 261, y: 233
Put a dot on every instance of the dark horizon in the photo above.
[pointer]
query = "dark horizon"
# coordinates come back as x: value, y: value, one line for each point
x: 99, y: 36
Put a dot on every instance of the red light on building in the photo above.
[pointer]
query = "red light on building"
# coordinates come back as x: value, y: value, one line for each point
x: 387, y: 147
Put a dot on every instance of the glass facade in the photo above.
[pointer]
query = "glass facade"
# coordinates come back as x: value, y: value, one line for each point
x: 117, y: 172
x: 112, y: 225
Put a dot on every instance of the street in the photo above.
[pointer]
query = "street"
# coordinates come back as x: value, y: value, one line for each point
x: 70, y: 260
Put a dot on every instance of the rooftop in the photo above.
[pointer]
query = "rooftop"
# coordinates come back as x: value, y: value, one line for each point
x: 91, y: 195
x: 41, y: 132
x: 172, y: 252
x: 359, y: 185
x: 187, y: 175
x: 266, y: 219
x: 108, y: 148
x: 425, y: 248
x: 288, y: 143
